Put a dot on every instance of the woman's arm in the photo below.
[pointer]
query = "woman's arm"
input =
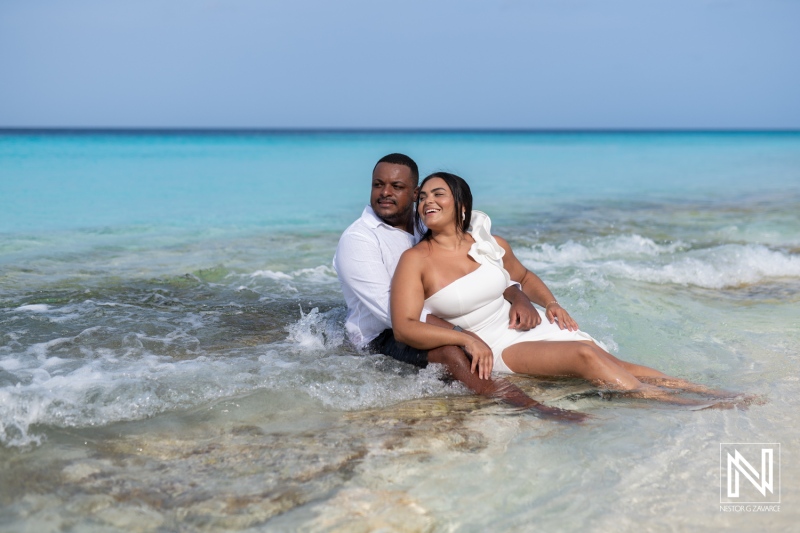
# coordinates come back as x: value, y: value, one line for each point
x: 407, y: 298
x: 535, y: 288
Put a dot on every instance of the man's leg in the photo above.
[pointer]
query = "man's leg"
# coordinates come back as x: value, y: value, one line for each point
x: 459, y: 365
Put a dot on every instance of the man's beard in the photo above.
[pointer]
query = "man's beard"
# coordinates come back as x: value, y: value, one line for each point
x: 402, y: 218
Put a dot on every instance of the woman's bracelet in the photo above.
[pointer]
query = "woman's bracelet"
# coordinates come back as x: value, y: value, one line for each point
x: 551, y: 303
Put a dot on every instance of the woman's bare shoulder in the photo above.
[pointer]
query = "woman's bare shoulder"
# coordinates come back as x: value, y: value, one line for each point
x: 421, y: 250
x: 414, y: 256
x: 502, y: 242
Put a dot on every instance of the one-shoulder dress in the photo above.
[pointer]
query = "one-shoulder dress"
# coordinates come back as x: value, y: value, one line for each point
x: 475, y: 302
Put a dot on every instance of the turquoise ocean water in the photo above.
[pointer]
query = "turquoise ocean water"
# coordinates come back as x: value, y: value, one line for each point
x: 171, y: 340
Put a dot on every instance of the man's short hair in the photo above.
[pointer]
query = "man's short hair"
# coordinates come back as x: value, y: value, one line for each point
x: 401, y: 159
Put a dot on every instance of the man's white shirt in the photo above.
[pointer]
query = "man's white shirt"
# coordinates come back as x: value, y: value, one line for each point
x: 365, y: 261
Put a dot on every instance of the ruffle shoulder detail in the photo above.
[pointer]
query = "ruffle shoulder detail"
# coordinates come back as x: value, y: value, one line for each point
x: 485, y: 245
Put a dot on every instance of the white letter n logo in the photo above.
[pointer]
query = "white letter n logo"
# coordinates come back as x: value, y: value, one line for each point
x: 761, y: 481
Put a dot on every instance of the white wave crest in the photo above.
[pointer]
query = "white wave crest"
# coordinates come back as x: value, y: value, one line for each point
x: 270, y: 274
x: 320, y: 274
x: 714, y: 268
x: 106, y: 375
x: 98, y: 391
x: 304, y: 280
x: 642, y: 259
x: 599, y: 248
x: 33, y: 308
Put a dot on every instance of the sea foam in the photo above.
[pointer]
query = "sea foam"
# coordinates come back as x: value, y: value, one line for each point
x: 720, y: 267
x: 105, y: 375
x: 642, y: 259
x: 34, y: 308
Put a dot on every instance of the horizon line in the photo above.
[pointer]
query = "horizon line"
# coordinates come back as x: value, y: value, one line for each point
x: 120, y: 130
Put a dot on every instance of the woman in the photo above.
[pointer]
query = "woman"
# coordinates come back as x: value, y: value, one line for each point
x: 461, y: 275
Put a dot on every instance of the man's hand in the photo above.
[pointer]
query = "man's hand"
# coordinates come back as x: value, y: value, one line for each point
x: 522, y: 315
x: 556, y: 312
x: 481, y: 356
x: 477, y: 351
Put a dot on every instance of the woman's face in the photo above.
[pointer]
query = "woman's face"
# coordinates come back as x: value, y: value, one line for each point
x: 436, y: 204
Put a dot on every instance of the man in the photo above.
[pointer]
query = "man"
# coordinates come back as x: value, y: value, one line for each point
x: 365, y: 260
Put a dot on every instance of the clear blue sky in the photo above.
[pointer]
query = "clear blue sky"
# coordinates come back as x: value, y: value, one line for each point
x: 400, y: 64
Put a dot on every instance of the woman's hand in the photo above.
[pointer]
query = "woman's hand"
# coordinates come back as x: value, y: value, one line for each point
x: 481, y: 355
x: 556, y: 312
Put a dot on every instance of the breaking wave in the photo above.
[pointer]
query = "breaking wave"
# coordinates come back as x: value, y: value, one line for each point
x: 642, y: 259
x: 105, y: 375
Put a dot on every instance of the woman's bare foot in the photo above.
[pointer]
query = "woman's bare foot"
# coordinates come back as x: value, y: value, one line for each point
x: 673, y: 396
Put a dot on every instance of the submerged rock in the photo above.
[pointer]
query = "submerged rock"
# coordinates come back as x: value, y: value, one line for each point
x: 219, y: 475
x: 361, y: 510
x: 220, y: 469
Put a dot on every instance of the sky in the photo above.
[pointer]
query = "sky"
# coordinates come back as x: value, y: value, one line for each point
x: 411, y: 64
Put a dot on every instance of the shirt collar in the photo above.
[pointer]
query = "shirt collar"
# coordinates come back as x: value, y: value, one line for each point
x: 370, y: 218
x: 372, y: 221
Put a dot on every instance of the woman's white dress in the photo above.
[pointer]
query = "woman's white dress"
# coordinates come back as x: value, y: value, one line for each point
x: 476, y: 303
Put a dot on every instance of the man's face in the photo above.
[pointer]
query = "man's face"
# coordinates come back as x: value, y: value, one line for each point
x: 393, y: 192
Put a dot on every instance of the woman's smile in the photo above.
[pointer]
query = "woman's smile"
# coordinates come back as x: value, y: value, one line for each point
x: 435, y: 198
x: 430, y: 213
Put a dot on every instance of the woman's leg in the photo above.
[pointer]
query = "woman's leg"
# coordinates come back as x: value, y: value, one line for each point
x: 569, y: 358
x: 640, y: 371
x: 652, y: 376
x: 586, y: 360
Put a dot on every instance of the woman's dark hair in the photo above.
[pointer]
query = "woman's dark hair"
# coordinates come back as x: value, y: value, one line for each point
x: 462, y: 202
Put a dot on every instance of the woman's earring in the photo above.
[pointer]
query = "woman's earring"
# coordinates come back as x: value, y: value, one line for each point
x: 463, y: 215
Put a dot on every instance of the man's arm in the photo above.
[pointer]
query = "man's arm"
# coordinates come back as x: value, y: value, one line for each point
x: 522, y: 315
x: 359, y: 265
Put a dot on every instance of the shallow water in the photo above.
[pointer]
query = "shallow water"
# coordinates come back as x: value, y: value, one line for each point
x: 171, y: 341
